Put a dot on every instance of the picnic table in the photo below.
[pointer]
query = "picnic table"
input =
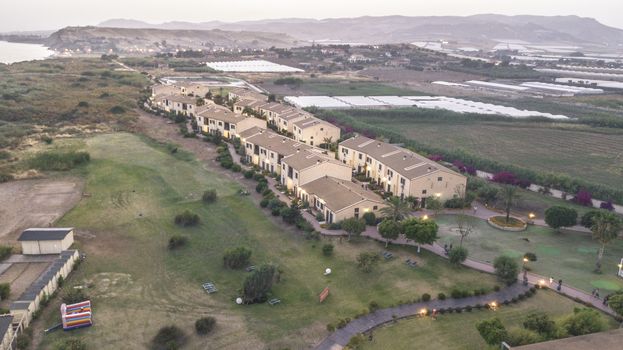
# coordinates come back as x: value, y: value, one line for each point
x: 274, y: 301
x: 388, y: 255
x: 411, y: 263
x: 209, y: 287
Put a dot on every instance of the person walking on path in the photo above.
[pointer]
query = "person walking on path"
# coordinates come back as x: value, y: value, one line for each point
x: 559, y: 285
x: 551, y: 281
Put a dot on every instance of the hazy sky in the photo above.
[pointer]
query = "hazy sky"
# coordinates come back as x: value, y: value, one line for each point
x: 54, y: 14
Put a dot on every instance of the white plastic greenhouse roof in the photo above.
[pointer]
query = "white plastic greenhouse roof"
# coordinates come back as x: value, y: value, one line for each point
x: 258, y: 66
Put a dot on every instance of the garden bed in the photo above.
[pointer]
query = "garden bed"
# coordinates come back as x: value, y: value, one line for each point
x: 513, y: 224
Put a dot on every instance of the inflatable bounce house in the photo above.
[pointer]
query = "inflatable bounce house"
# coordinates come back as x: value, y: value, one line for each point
x: 76, y: 315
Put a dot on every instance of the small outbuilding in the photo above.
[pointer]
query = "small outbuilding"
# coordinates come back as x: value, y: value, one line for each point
x: 39, y: 241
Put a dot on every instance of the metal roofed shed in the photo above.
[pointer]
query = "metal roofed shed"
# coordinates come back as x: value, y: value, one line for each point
x: 40, y: 241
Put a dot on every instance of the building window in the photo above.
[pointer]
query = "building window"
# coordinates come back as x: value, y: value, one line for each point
x: 375, y: 207
x: 360, y: 156
x: 296, y: 175
x: 440, y: 178
x: 423, y: 191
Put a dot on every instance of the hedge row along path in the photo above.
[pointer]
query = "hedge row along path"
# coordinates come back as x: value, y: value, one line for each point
x: 341, y: 337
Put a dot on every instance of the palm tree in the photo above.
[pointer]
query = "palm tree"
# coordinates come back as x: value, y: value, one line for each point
x: 606, y: 227
x: 396, y: 209
x: 509, y: 197
x: 327, y: 141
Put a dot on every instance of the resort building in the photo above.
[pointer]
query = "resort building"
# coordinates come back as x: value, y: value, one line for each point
x: 194, y: 89
x: 339, y: 199
x: 245, y: 104
x: 213, y: 118
x: 242, y: 93
x: 181, y: 104
x: 308, y: 165
x: 273, y: 110
x: 400, y: 171
x: 266, y: 149
x: 315, y: 132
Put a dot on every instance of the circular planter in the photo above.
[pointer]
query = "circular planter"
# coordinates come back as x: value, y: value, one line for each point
x: 516, y: 228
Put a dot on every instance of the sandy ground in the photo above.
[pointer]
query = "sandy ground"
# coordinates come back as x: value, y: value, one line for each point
x: 32, y: 203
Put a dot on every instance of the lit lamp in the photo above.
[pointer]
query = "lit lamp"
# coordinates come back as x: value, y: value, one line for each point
x: 621, y: 269
x: 425, y: 217
x: 493, y: 305
x: 423, y: 312
x: 531, y: 217
x: 541, y: 283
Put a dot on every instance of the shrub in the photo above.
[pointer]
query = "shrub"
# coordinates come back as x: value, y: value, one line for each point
x: 304, y: 225
x: 441, y: 296
x: 289, y: 215
x: 457, y: 255
x: 583, y: 321
x: 257, y: 285
x: 168, y: 338
x: 75, y: 295
x: 248, y: 174
x: 117, y: 110
x: 177, y: 241
x: 425, y: 297
x: 5, y: 290
x: 5, y: 251
x: 492, y: 331
x: 237, y: 258
x: 558, y: 216
x: 373, y: 306
x: 356, y: 342
x: 583, y: 197
x: 330, y: 327
x: 23, y: 341
x: 587, y: 218
x: 367, y: 260
x: 209, y: 196
x: 520, y: 336
x: 264, y: 202
x: 313, y: 235
x: 530, y: 256
x: 540, y: 322
x: 70, y: 344
x: 327, y: 249
x: 205, y: 325
x: 506, y: 268
x: 260, y: 187
x: 369, y: 218
x: 47, y: 139
x: 59, y: 161
x: 607, y: 205
x: 186, y: 218
x: 505, y: 177
x: 319, y: 216
x: 236, y: 168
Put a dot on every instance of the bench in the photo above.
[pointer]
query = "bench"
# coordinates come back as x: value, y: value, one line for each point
x: 388, y: 255
x: 274, y: 301
x: 209, y: 287
x: 250, y: 268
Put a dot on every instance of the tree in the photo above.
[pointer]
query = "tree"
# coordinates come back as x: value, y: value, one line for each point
x: 186, y: 218
x: 5, y: 290
x: 465, y: 226
x: 177, y: 241
x: 606, y: 227
x: 521, y: 336
x: 583, y: 321
x: 583, y: 197
x: 327, y: 249
x: 289, y: 215
x: 615, y: 301
x: 369, y: 218
x: 457, y: 255
x: 353, y: 226
x: 396, y: 209
x: 205, y: 325
x: 506, y: 269
x: 237, y: 258
x: 421, y: 231
x: 558, y: 216
x: 367, y: 260
x: 389, y: 229
x: 492, y: 331
x: 74, y: 295
x: 434, y: 204
x: 540, y: 322
x: 257, y: 285
x: 509, y: 198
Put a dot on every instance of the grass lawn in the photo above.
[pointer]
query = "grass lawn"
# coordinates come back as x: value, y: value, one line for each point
x: 569, y: 256
x: 458, y: 331
x: 136, y: 186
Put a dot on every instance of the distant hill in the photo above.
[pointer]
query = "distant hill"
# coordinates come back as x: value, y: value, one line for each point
x: 103, y: 39
x: 478, y: 29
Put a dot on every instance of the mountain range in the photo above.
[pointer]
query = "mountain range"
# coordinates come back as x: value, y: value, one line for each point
x: 478, y: 29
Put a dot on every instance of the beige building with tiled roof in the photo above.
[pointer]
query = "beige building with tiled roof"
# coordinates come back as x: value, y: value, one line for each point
x: 213, y: 118
x: 315, y: 132
x: 181, y: 104
x: 308, y: 165
x: 266, y: 149
x: 400, y: 171
x: 340, y: 199
x: 242, y: 93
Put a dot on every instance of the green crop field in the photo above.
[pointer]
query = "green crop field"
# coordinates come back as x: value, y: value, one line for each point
x: 592, y: 154
x: 135, y: 188
x: 569, y: 256
x: 458, y: 331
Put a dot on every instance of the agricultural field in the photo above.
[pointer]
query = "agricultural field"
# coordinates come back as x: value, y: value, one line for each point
x: 458, y: 331
x: 137, y: 285
x: 568, y: 255
x: 592, y: 154
x: 340, y: 87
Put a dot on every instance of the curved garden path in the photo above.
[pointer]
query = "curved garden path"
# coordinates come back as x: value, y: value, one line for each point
x: 341, y: 337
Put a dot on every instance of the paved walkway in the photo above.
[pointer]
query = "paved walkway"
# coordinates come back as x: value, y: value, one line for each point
x: 341, y: 337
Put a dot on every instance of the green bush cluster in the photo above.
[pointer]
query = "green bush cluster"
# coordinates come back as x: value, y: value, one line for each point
x: 186, y: 218
x: 59, y: 161
x: 177, y: 241
x: 237, y: 257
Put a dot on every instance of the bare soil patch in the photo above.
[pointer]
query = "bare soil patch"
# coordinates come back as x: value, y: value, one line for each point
x: 35, y: 203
